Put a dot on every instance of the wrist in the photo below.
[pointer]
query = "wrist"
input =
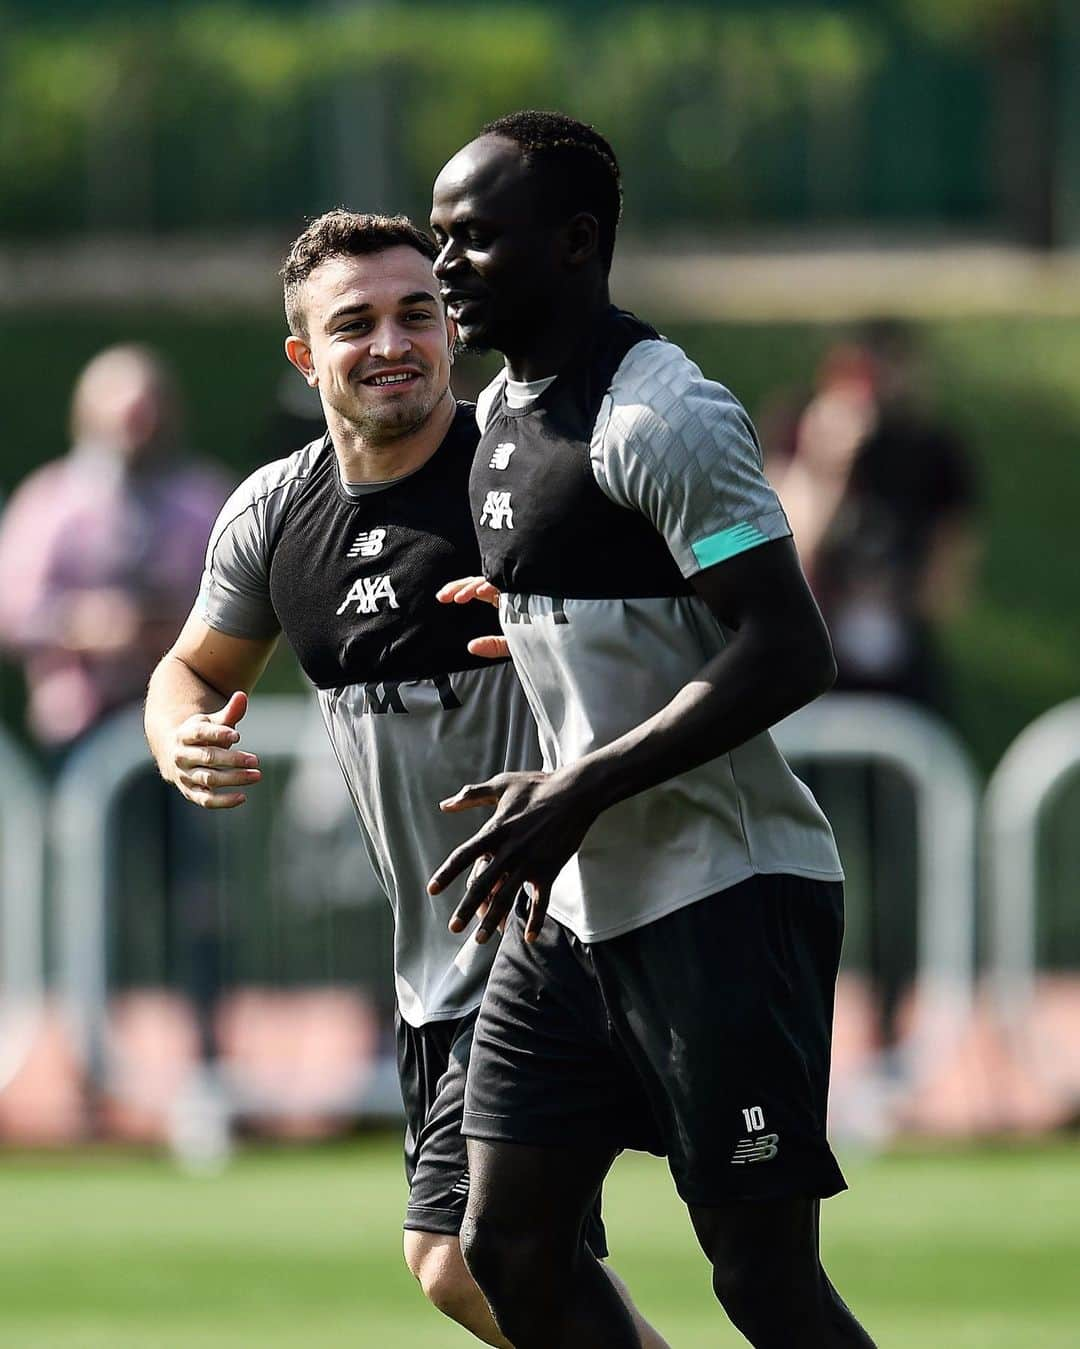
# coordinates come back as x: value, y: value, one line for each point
x: 588, y: 783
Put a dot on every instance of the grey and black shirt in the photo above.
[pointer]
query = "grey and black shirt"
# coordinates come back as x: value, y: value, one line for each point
x: 351, y: 580
x: 594, y: 503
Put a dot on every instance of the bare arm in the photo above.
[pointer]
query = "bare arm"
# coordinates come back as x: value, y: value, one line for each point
x: 196, y: 696
x: 777, y: 659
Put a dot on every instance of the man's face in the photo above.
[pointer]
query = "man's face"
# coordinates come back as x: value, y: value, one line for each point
x: 499, y: 265
x: 378, y: 345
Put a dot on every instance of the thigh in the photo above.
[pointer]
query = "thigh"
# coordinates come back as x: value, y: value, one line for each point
x: 432, y: 1065
x: 725, y: 1009
x: 545, y: 1070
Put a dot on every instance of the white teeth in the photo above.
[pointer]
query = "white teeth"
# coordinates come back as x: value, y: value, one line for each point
x: 391, y: 379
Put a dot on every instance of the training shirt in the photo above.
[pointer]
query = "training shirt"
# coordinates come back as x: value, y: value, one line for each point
x: 595, y: 503
x: 350, y: 578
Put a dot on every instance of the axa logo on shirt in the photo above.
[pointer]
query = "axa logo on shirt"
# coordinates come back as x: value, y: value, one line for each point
x: 366, y: 592
x: 498, y: 512
x: 368, y: 543
x: 500, y: 455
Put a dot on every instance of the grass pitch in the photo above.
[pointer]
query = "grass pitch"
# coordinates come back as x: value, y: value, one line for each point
x: 955, y: 1250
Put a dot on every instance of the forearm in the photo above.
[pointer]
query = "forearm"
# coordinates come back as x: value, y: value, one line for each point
x: 175, y: 693
x: 748, y: 687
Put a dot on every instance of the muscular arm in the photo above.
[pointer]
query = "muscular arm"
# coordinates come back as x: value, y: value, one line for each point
x: 777, y: 658
x: 196, y: 696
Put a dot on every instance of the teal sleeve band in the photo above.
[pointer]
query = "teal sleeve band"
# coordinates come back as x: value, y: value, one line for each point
x: 728, y: 543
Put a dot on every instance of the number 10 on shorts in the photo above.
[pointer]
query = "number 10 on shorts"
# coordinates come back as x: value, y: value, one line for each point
x: 754, y: 1117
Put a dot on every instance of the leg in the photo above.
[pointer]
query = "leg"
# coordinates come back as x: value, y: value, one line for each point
x: 436, y: 1263
x: 522, y: 1241
x: 649, y: 1336
x: 767, y: 1274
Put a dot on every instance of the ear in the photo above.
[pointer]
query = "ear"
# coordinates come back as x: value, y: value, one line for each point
x: 299, y: 354
x: 451, y: 337
x: 582, y: 235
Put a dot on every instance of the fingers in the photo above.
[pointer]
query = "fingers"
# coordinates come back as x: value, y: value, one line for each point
x: 490, y: 893
x: 233, y: 710
x: 538, y: 901
x: 468, y: 588
x: 455, y: 864
x: 194, y: 754
x: 479, y: 794
x: 214, y: 800
x: 492, y: 648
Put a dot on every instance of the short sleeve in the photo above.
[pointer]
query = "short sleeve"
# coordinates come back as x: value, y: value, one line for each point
x: 234, y: 596
x: 681, y: 450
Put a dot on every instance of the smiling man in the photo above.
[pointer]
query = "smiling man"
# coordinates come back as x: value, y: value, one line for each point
x: 678, y: 997
x: 343, y: 546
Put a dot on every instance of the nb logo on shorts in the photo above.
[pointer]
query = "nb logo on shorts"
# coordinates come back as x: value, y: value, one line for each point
x: 497, y: 512
x: 500, y: 455
x: 368, y: 543
x: 761, y: 1149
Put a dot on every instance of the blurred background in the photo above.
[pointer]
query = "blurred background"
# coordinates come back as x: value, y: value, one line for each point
x: 864, y: 218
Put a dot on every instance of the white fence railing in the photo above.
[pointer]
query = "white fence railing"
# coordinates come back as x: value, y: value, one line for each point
x: 22, y: 895
x: 84, y: 804
x: 857, y: 727
x: 840, y: 728
x: 1032, y: 774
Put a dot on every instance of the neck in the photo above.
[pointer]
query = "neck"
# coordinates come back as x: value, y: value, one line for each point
x: 362, y: 459
x: 545, y: 349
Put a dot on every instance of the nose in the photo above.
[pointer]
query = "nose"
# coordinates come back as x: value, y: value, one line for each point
x: 390, y: 341
x: 448, y: 256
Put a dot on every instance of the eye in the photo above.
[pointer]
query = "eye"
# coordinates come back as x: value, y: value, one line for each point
x: 419, y: 316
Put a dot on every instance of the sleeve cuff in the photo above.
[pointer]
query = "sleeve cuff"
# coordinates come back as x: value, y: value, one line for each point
x: 740, y: 538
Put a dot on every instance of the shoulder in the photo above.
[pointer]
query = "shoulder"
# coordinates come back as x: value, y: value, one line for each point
x: 487, y: 398
x: 259, y: 505
x: 659, y: 403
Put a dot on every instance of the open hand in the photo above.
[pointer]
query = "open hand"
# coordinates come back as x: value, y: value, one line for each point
x: 476, y: 588
x: 203, y: 759
x: 538, y: 825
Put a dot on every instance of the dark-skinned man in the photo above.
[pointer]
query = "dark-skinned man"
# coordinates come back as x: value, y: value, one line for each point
x: 342, y: 546
x: 679, y: 996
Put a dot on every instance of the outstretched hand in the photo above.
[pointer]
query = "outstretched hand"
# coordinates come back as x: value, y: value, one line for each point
x: 469, y: 588
x: 538, y: 825
x: 203, y: 759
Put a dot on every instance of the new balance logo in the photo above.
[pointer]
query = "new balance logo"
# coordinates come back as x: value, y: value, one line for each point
x: 761, y: 1149
x: 497, y: 512
x: 368, y: 543
x: 500, y: 455
x: 366, y: 592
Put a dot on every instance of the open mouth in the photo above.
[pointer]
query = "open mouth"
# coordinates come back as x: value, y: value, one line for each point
x: 458, y: 303
x: 392, y: 379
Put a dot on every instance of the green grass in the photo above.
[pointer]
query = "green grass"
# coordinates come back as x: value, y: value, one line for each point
x: 954, y: 1250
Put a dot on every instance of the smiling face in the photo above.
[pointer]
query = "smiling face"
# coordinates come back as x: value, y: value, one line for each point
x: 501, y: 264
x: 377, y: 345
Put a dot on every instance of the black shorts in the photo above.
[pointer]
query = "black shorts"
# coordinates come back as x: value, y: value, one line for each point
x: 432, y: 1064
x: 704, y: 1036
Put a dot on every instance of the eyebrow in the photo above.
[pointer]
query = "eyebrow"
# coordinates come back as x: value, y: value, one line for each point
x: 414, y: 297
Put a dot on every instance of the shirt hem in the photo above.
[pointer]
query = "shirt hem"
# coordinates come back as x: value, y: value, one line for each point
x: 429, y: 1018
x: 590, y: 935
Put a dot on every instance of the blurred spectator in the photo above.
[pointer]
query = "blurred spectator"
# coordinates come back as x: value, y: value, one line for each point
x: 881, y: 495
x: 101, y: 550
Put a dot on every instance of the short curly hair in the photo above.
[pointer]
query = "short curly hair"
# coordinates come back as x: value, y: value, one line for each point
x: 343, y: 234
x: 580, y: 170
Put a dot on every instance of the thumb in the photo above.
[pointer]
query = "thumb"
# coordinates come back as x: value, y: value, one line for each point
x: 233, y: 710
x: 492, y: 647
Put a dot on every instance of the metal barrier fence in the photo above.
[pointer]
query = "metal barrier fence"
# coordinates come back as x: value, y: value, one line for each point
x: 22, y: 893
x: 84, y: 838
x: 887, y: 732
x: 839, y: 728
x: 1029, y: 780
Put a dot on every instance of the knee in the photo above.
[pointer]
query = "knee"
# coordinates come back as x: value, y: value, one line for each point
x: 436, y: 1264
x: 517, y: 1266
